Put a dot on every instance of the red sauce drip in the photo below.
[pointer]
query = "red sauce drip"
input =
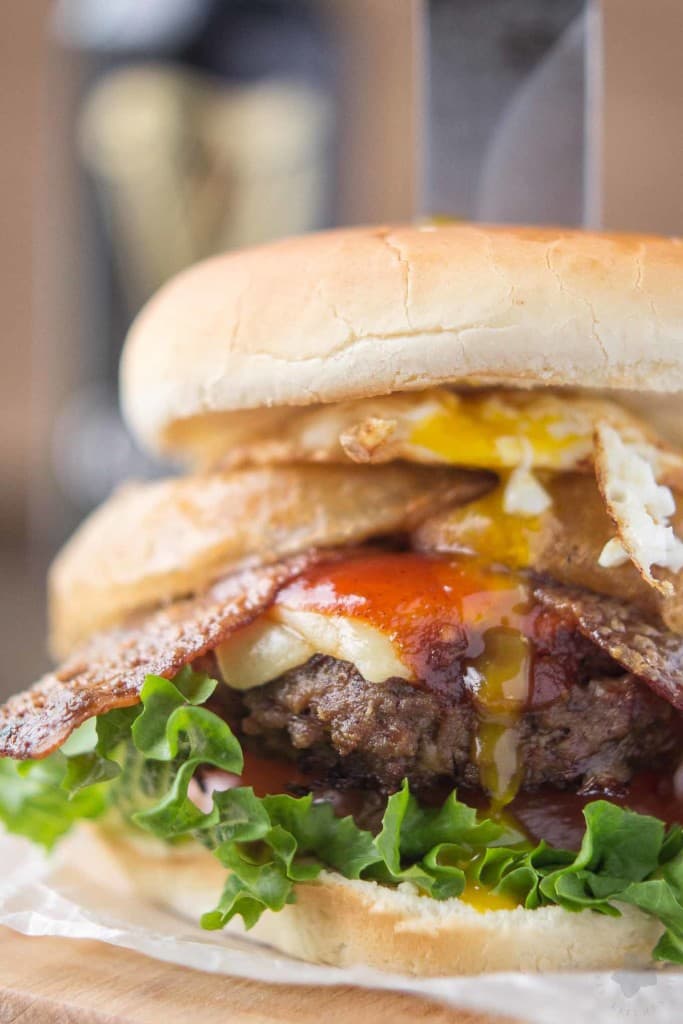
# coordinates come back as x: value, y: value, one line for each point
x: 556, y: 816
x: 434, y: 609
x: 266, y: 776
x: 270, y: 775
x: 550, y: 814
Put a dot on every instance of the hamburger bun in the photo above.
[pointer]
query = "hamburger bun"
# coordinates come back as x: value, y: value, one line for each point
x: 229, y: 344
x: 346, y: 923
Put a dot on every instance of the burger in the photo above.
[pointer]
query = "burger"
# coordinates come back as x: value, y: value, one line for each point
x: 392, y: 672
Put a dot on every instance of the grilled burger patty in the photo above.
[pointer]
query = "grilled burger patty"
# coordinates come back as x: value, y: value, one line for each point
x: 594, y: 730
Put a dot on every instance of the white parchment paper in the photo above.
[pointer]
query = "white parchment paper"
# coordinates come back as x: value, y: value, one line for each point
x: 45, y: 896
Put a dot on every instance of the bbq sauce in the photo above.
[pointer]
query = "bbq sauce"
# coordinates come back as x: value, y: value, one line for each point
x: 267, y: 776
x: 550, y: 814
x: 420, y: 602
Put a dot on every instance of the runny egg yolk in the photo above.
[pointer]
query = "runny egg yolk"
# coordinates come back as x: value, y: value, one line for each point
x: 481, y: 898
x: 490, y: 432
x: 485, y: 528
x: 504, y: 672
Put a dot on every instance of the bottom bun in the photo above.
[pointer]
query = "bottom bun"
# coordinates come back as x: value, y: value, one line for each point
x: 346, y: 922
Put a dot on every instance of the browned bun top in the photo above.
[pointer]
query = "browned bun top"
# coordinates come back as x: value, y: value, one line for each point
x: 367, y: 311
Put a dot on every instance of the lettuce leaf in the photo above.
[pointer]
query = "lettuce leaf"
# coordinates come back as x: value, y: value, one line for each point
x: 35, y: 800
x: 138, y: 763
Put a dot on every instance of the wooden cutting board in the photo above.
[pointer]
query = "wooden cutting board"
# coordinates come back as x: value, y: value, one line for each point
x: 69, y: 981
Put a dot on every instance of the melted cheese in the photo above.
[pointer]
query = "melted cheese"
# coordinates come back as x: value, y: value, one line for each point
x: 285, y: 638
x: 260, y: 652
x: 349, y: 639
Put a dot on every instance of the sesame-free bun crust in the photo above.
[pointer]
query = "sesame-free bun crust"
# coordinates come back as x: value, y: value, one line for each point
x: 367, y: 311
x: 342, y: 922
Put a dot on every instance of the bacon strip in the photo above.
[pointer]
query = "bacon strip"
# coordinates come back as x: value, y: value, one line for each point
x: 652, y: 653
x: 108, y: 671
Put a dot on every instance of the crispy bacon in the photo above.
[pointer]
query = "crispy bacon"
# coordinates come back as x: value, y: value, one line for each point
x: 108, y: 671
x: 652, y: 653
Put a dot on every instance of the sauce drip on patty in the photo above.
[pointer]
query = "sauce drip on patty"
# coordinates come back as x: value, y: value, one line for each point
x: 550, y: 814
x: 422, y: 603
x: 439, y: 611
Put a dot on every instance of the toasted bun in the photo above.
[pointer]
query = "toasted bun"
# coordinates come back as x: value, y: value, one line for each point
x: 342, y: 922
x: 364, y: 312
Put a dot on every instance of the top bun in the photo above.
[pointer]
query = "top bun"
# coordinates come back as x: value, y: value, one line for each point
x: 367, y: 311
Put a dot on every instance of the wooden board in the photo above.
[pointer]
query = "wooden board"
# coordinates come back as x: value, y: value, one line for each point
x: 68, y: 981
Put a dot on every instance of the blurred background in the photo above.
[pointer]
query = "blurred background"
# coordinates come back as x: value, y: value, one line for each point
x: 140, y: 137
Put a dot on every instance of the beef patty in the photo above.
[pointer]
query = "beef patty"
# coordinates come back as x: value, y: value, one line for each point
x: 594, y: 727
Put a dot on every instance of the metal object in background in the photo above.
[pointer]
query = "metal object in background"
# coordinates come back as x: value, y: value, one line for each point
x: 505, y: 121
x: 533, y: 170
x: 564, y: 112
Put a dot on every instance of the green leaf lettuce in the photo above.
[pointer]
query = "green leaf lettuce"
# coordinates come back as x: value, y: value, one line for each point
x: 138, y: 763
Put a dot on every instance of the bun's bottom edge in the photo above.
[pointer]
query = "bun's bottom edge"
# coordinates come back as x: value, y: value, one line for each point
x: 345, y: 923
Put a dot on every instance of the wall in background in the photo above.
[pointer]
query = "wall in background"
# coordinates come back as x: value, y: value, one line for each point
x: 23, y: 48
